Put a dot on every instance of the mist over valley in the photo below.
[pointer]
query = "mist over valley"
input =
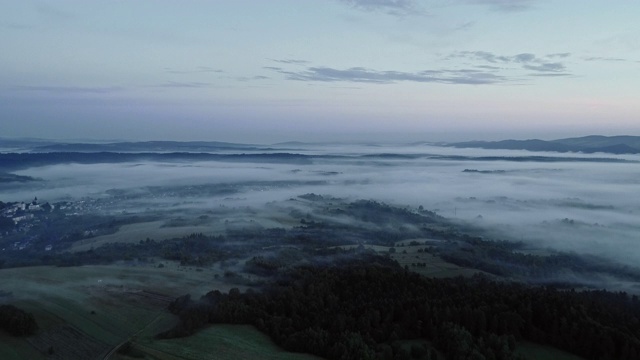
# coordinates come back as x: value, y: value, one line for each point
x: 138, y: 228
x: 579, y: 203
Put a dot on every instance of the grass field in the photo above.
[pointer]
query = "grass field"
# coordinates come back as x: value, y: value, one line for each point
x: 158, y: 230
x: 224, y: 342
x: 434, y: 266
x: 408, y: 255
x: 540, y: 352
x: 84, y: 311
x: 133, y: 233
x: 16, y: 349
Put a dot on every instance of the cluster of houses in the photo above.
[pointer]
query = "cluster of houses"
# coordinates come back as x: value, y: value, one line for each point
x: 24, y: 217
x: 22, y: 211
x: 19, y: 218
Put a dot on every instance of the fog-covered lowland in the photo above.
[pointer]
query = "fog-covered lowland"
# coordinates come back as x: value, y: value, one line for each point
x: 133, y: 230
x: 570, y: 202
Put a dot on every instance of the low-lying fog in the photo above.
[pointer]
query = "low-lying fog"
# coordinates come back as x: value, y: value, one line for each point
x: 589, y: 207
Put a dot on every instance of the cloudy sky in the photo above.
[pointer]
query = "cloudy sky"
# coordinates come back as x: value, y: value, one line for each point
x: 312, y: 70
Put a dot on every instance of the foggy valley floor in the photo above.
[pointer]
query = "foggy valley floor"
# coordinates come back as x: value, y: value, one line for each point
x: 127, y: 231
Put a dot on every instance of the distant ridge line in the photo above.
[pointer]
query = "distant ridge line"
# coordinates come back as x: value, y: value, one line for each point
x: 619, y: 145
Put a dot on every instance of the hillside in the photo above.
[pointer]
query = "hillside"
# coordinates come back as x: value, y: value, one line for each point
x: 147, y: 146
x: 587, y: 144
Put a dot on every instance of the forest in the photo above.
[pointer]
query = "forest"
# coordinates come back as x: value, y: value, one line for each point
x: 368, y: 307
x: 16, y: 321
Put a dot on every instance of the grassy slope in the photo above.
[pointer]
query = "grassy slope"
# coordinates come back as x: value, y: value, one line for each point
x: 223, y: 341
x: 16, y: 348
x: 133, y: 233
x: 534, y: 351
x: 59, y: 296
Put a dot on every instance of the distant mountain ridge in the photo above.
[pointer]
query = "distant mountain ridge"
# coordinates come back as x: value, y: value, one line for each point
x: 148, y: 146
x: 588, y: 144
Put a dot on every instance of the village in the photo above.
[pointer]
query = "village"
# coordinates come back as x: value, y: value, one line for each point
x: 41, y: 226
x: 22, y: 224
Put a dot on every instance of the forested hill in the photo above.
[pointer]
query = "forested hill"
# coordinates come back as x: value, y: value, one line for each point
x: 366, y: 309
x: 587, y: 144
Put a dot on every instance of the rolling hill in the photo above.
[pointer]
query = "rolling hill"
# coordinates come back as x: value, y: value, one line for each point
x: 587, y: 144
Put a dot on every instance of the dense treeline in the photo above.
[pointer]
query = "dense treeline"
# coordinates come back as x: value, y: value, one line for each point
x: 361, y: 310
x: 17, y: 322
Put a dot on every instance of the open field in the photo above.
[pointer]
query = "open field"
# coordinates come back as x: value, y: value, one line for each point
x: 425, y: 263
x: 537, y: 252
x: 421, y: 242
x: 16, y: 349
x: 179, y: 227
x: 133, y: 233
x: 224, y: 342
x: 85, y: 311
x: 429, y: 265
x: 534, y: 351
x: 377, y: 248
x: 422, y: 263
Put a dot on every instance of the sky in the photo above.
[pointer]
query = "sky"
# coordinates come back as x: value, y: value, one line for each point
x: 319, y: 70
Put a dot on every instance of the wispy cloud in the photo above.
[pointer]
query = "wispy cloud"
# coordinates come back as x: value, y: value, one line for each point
x: 412, y: 7
x: 364, y: 75
x: 249, y: 78
x: 549, y: 74
x: 600, y: 58
x: 69, y: 89
x: 476, y: 68
x: 49, y: 11
x: 15, y: 26
x: 488, y: 67
x: 391, y: 7
x: 184, y: 84
x: 291, y: 61
x: 527, y: 61
x: 546, y: 67
x: 558, y: 55
x: 491, y: 57
x: 504, y: 5
x: 197, y: 70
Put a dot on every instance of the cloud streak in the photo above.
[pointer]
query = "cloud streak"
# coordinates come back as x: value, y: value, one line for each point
x: 526, y: 61
x: 291, y: 61
x: 185, y: 84
x: 198, y: 70
x: 69, y: 89
x: 249, y: 78
x: 364, y: 75
x: 504, y: 5
x: 478, y: 68
x: 391, y: 7
x: 601, y: 58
